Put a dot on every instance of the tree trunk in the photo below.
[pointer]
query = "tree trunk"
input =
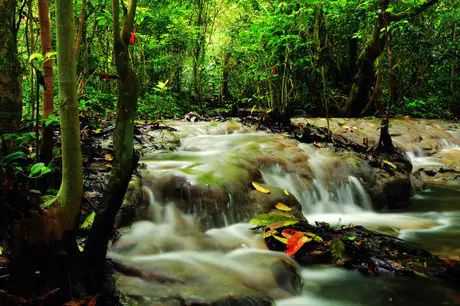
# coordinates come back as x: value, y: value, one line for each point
x: 46, y: 150
x: 199, y: 50
x: 124, y: 161
x: 225, y: 87
x: 365, y: 77
x: 71, y: 190
x: 10, y: 86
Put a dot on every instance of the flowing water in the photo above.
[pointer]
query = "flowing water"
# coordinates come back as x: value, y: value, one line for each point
x: 230, y: 260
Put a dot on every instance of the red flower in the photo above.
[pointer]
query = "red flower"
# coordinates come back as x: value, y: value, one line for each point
x: 132, y: 38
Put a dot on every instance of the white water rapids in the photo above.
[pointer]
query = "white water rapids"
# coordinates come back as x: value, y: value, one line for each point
x: 232, y: 260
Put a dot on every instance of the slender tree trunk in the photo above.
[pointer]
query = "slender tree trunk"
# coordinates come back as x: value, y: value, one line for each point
x: 199, y: 49
x: 45, y: 34
x: 71, y: 190
x: 225, y: 87
x: 124, y: 157
x: 81, y: 28
x: 10, y: 85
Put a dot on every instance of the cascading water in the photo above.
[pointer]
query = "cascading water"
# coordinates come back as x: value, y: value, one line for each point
x: 205, y: 267
x: 321, y: 196
x: 319, y: 180
x: 419, y: 160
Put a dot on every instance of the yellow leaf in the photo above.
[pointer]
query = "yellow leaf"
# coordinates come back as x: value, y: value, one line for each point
x: 269, y: 233
x: 280, y: 239
x: 282, y: 207
x: 390, y: 164
x: 286, y: 192
x: 108, y: 157
x: 260, y: 188
x: 314, y: 237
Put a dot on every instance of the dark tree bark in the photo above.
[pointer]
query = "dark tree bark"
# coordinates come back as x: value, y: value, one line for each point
x: 365, y: 76
x: 124, y: 157
x: 385, y: 144
x: 10, y: 85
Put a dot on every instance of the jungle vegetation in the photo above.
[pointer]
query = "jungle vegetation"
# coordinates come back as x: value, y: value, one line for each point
x: 71, y: 65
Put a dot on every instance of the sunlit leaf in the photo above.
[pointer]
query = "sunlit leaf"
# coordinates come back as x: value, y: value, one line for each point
x: 386, y: 162
x: 260, y: 188
x: 88, y: 223
x: 39, y: 169
x: 283, y: 207
x: 350, y: 238
x: 314, y: 237
x: 281, y: 239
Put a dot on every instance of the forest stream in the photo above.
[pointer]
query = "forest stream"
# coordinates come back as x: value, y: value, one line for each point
x: 193, y: 202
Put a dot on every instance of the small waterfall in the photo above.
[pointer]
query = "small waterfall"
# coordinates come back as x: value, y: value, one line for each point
x: 447, y: 145
x: 331, y: 190
x: 419, y: 160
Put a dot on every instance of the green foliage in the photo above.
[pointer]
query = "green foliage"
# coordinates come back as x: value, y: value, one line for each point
x: 160, y: 105
x: 88, y: 222
x: 38, y: 170
x: 12, y: 158
x: 268, y: 219
x: 432, y: 107
x: 338, y: 249
x: 267, y: 51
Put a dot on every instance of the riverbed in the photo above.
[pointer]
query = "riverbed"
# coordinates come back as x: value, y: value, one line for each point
x: 196, y: 204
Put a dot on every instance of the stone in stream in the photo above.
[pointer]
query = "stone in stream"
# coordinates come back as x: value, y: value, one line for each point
x: 371, y: 253
x: 207, y: 278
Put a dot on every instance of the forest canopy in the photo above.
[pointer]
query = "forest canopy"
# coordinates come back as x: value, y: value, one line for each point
x: 305, y: 56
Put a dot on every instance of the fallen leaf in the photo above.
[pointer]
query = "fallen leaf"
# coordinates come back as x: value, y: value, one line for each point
x: 280, y: 224
x: 295, y: 243
x: 272, y: 220
x: 286, y: 192
x: 92, y: 301
x: 314, y: 237
x: 289, y: 232
x: 108, y: 157
x: 337, y: 249
x: 260, y: 188
x: 281, y: 239
x: 283, y: 207
x: 386, y: 162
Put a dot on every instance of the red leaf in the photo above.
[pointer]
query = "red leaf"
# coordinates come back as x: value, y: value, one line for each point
x: 92, y: 301
x: 295, y: 243
x: 132, y: 38
x: 287, y: 233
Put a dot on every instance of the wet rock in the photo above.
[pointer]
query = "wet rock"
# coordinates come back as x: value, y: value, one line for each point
x: 370, y: 253
x: 390, y: 191
x: 236, y: 278
x: 264, y: 203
